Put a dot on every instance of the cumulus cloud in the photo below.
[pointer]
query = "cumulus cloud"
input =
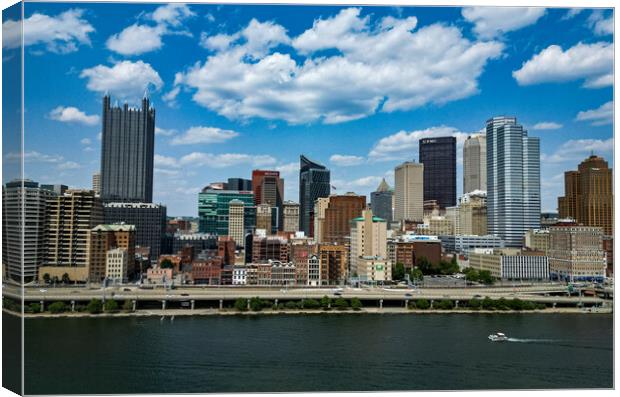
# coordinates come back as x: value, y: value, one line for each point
x: 405, y: 144
x: 224, y: 160
x: 346, y: 160
x: 68, y: 165
x: 71, y: 114
x: 138, y: 38
x: 289, y: 169
x: 601, y: 25
x: 579, y: 148
x: 592, y: 62
x: 200, y: 134
x: 385, y: 66
x: 62, y: 33
x: 165, y: 161
x: 164, y: 132
x: 124, y: 79
x: 491, y: 22
x: 600, y: 116
x: 547, y: 125
x: 85, y: 141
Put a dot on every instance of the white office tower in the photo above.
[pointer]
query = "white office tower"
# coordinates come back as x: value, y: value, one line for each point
x: 475, y: 163
x: 513, y: 180
x: 409, y: 192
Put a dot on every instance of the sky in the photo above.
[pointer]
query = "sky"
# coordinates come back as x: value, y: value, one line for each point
x: 242, y: 87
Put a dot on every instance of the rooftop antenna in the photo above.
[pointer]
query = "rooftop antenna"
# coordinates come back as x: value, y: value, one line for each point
x: 146, y: 92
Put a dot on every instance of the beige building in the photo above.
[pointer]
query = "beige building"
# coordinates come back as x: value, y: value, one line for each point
x: 291, y: 216
x: 373, y: 268
x: 452, y: 214
x: 97, y: 183
x: 320, y: 205
x: 436, y: 226
x: 409, y: 192
x: 117, y: 265
x: 475, y: 163
x: 473, y: 214
x: 263, y: 217
x: 368, y: 239
x: 103, y: 238
x: 537, y: 240
x: 576, y: 252
x: 510, y: 263
x: 236, y: 226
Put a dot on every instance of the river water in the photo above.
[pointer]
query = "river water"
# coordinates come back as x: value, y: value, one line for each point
x: 356, y: 352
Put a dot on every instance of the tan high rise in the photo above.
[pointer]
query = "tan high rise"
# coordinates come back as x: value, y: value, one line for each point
x: 340, y: 211
x: 320, y: 205
x: 291, y: 216
x: 263, y: 217
x: 70, y: 219
x: 235, y: 221
x: 103, y: 238
x: 588, y: 195
x: 576, y: 252
x: 409, y: 192
x: 473, y: 214
x: 475, y: 163
x: 333, y: 262
x: 368, y: 238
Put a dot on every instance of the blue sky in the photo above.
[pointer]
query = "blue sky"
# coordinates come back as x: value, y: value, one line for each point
x: 243, y: 87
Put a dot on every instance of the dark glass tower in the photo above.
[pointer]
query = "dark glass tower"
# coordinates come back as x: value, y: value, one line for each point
x: 313, y: 183
x: 439, y: 158
x: 127, y: 149
x: 381, y: 201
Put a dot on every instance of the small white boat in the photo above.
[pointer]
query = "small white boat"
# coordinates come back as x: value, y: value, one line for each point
x: 498, y: 337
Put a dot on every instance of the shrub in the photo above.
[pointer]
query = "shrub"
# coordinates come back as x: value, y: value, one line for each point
x: 57, y: 307
x: 341, y: 304
x: 241, y: 304
x: 488, y: 304
x: 356, y: 304
x: 422, y: 304
x: 94, y: 306
x: 291, y: 305
x: 325, y: 301
x: 474, y: 304
x: 34, y: 307
x: 257, y: 304
x: 445, y: 305
x: 311, y: 304
x: 128, y: 305
x: 502, y: 304
x: 110, y: 306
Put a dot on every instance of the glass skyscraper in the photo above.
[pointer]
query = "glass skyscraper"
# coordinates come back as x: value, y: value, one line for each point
x: 213, y: 209
x: 513, y: 180
x: 381, y: 201
x: 313, y: 183
x: 127, y: 150
x: 439, y: 158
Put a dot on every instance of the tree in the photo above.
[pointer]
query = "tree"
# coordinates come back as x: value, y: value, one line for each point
x: 485, y: 277
x: 425, y: 266
x: 471, y: 274
x: 311, y: 304
x: 291, y: 305
x: 57, y: 307
x: 356, y: 304
x: 398, y: 272
x: 128, y: 305
x: 474, y: 304
x: 110, y: 306
x: 166, y: 264
x: 35, y: 307
x: 416, y: 274
x: 341, y: 304
x: 94, y: 306
x: 488, y: 304
x: 325, y: 302
x: 448, y: 267
x: 256, y: 304
x: 422, y: 304
x: 241, y: 304
x: 445, y: 305
x: 46, y: 278
x: 65, y: 278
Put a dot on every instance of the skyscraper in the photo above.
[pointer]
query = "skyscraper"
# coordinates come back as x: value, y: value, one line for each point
x: 214, y: 207
x: 381, y: 201
x: 513, y: 180
x: 239, y: 184
x: 588, y: 195
x: 314, y: 182
x: 341, y: 209
x: 409, y: 192
x: 475, y: 163
x: 127, y: 150
x: 97, y: 183
x: 368, y: 238
x: 235, y: 221
x: 269, y: 189
x: 439, y: 158
x: 290, y: 216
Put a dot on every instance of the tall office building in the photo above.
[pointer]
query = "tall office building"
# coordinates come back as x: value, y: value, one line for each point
x: 513, y: 180
x: 127, y: 150
x: 320, y: 205
x: 239, y: 184
x: 475, y: 163
x: 439, y: 158
x: 381, y: 201
x: 588, y: 197
x: 24, y: 206
x: 576, y: 252
x: 409, y: 192
x: 314, y: 182
x: 263, y: 218
x: 368, y: 239
x: 341, y: 209
x: 213, y: 209
x: 70, y: 219
x: 148, y: 218
x: 290, y: 211
x: 97, y: 183
x: 236, y: 226
x: 269, y: 189
x: 472, y: 214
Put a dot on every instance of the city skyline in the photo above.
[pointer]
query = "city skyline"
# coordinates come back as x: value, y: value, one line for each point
x: 205, y: 133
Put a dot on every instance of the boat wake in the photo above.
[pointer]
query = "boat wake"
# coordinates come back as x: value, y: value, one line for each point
x: 519, y: 340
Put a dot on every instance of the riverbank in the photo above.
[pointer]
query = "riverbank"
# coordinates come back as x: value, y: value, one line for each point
x: 231, y: 312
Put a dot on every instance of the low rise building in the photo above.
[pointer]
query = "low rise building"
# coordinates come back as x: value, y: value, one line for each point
x: 157, y: 275
x: 409, y: 249
x: 240, y: 275
x: 282, y: 273
x: 464, y: 244
x: 537, y: 240
x: 576, y: 252
x: 373, y: 269
x: 117, y: 265
x: 510, y: 264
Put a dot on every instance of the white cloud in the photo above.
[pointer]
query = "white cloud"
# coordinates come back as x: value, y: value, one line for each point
x: 405, y: 145
x: 140, y: 38
x: 592, y: 62
x: 136, y: 39
x: 206, y: 135
x: 165, y: 161
x: 547, y: 125
x: 218, y: 42
x: 225, y: 160
x: 490, y: 22
x: 579, y: 148
x: 383, y: 67
x: 88, y: 149
x: 600, y: 116
x: 71, y: 114
x: 34, y: 156
x: 62, y: 33
x: 572, y: 13
x: 85, y: 141
x: 346, y: 160
x: 125, y: 79
x: 289, y: 169
x: 68, y: 165
x: 602, y: 26
x: 164, y: 132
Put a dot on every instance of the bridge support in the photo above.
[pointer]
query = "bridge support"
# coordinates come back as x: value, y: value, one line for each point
x: 432, y: 303
x: 72, y: 306
x: 275, y: 302
x: 456, y: 304
x: 554, y: 304
x: 221, y: 304
x: 42, y: 306
x: 193, y: 304
x: 248, y: 304
x: 380, y: 303
x: 134, y: 305
x: 163, y: 304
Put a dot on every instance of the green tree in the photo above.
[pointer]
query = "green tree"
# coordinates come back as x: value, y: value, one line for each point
x: 422, y: 304
x: 94, y: 306
x: 341, y: 304
x: 46, y: 278
x: 110, y: 306
x: 325, y: 301
x: 485, y: 277
x: 65, y: 278
x: 416, y: 274
x: 398, y: 272
x: 474, y: 304
x: 241, y: 304
x: 425, y: 266
x: 57, y: 307
x: 128, y: 305
x: 356, y: 304
x: 488, y: 303
x: 471, y: 274
x: 166, y: 264
x: 445, y: 305
x: 291, y: 305
x: 35, y: 307
x: 502, y: 304
x: 311, y: 304
x: 256, y: 304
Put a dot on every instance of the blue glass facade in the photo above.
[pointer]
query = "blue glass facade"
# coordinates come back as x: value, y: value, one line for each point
x: 314, y: 182
x: 213, y: 209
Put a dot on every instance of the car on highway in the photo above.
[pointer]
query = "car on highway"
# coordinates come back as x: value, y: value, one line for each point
x: 184, y: 294
x: 126, y: 289
x: 42, y: 290
x: 408, y: 295
x: 338, y: 293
